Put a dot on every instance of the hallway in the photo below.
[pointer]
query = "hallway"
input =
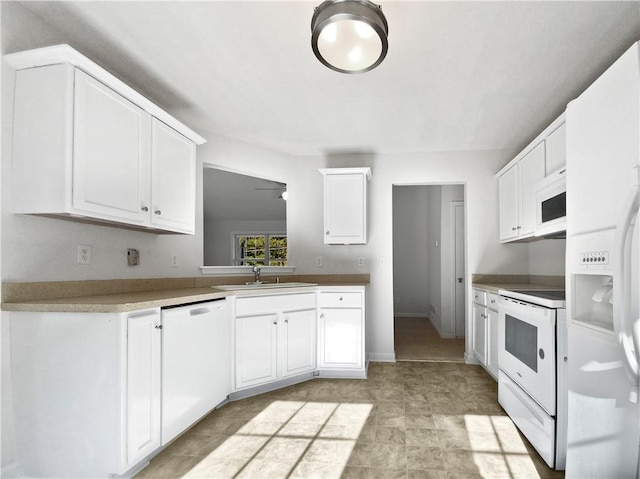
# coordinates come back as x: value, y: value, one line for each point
x: 417, y: 340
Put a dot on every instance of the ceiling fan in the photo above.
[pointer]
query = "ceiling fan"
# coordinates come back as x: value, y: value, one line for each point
x: 283, y: 187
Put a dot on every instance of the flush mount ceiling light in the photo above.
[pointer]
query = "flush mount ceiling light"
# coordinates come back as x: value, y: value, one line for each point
x: 349, y: 36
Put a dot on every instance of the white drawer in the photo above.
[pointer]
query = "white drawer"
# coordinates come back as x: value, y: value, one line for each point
x: 479, y: 297
x: 492, y: 301
x: 341, y: 299
x: 277, y: 302
x: 531, y: 419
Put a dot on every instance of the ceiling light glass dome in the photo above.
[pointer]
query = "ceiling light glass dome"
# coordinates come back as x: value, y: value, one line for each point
x: 349, y: 36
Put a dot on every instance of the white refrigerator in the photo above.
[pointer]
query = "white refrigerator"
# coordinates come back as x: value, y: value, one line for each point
x: 603, y: 290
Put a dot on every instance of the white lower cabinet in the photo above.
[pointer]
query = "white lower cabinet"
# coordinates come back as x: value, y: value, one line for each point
x: 341, y: 346
x: 256, y: 350
x: 86, y: 391
x: 492, y: 341
x: 479, y: 333
x: 196, y: 363
x: 484, y: 326
x: 143, y: 384
x: 298, y: 342
x: 275, y: 338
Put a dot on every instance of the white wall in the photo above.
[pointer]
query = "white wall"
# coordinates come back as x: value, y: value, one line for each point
x: 410, y: 268
x: 434, y: 213
x: 450, y: 193
x: 547, y: 257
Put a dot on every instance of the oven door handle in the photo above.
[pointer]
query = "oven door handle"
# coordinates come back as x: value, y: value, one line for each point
x: 627, y: 329
x: 534, y: 315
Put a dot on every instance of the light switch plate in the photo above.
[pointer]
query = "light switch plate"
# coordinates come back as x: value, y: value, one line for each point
x: 133, y: 257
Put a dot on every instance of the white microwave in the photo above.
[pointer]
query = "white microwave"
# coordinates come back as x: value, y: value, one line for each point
x: 551, y: 205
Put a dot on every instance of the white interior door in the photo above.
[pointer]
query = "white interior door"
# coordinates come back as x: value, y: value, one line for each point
x: 459, y: 260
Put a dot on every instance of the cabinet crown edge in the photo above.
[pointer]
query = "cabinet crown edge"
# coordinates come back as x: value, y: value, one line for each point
x: 64, y: 53
x: 555, y: 124
x: 346, y: 171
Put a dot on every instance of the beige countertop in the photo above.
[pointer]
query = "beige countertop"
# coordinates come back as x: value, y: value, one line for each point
x: 495, y: 282
x: 132, y: 301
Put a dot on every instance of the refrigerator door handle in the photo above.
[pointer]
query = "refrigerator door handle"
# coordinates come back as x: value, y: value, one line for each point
x: 626, y: 328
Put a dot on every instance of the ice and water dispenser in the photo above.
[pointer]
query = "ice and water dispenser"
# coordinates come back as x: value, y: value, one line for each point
x: 593, y: 301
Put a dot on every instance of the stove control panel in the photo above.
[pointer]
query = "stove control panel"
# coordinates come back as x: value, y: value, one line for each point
x: 594, y: 258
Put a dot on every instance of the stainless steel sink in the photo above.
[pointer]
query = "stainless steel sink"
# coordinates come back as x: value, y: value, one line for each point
x: 261, y: 285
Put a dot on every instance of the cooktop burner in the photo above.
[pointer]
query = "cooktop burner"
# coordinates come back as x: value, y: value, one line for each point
x: 545, y: 294
x: 550, y: 298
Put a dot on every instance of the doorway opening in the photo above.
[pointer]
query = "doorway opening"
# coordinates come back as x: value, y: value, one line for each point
x: 429, y: 272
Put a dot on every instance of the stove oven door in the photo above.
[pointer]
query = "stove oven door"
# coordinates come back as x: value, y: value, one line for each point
x: 527, y: 349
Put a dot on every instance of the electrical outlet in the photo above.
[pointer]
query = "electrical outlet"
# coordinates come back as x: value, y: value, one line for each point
x: 84, y: 254
x: 133, y: 257
x: 174, y: 260
x: 360, y: 261
x: 319, y: 261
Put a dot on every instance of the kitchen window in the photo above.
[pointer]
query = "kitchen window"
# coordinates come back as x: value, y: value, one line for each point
x: 268, y: 249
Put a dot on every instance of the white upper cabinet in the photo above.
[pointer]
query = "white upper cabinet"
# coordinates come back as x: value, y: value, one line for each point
x: 532, y: 170
x: 110, y: 153
x: 345, y: 205
x: 556, y: 149
x: 517, y: 181
x: 173, y: 163
x: 517, y: 195
x: 509, y: 215
x: 88, y: 147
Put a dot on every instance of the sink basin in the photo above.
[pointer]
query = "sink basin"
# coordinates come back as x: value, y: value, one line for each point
x: 261, y: 285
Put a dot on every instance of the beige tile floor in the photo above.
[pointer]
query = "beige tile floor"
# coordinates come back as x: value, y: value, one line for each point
x: 407, y: 420
x: 417, y: 339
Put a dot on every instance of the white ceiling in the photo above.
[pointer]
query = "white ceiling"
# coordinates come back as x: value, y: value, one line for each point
x: 458, y: 76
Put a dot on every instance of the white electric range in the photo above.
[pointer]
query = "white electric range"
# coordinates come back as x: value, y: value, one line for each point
x: 532, y: 378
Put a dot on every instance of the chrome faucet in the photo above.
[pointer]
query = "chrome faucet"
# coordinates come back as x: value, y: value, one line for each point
x: 256, y: 273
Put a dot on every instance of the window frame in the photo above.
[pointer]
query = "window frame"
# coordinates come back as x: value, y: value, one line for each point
x: 237, y: 260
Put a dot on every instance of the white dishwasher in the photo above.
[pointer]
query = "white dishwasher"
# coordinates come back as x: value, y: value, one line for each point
x: 196, y: 363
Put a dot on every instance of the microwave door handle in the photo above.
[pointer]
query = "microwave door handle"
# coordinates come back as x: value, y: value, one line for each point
x: 626, y: 331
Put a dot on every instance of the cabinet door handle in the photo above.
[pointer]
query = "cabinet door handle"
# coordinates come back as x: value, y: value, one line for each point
x: 158, y: 326
x: 286, y: 321
x: 158, y: 212
x: 275, y: 323
x: 519, y: 227
x: 513, y: 229
x: 340, y: 299
x: 327, y: 233
x: 322, y: 315
x: 145, y: 208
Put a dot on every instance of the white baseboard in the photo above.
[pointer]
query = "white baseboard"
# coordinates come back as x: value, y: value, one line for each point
x: 469, y: 358
x: 382, y: 357
x: 343, y: 374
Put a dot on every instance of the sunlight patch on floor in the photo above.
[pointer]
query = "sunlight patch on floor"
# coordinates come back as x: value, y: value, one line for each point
x: 498, y: 449
x: 289, y: 439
